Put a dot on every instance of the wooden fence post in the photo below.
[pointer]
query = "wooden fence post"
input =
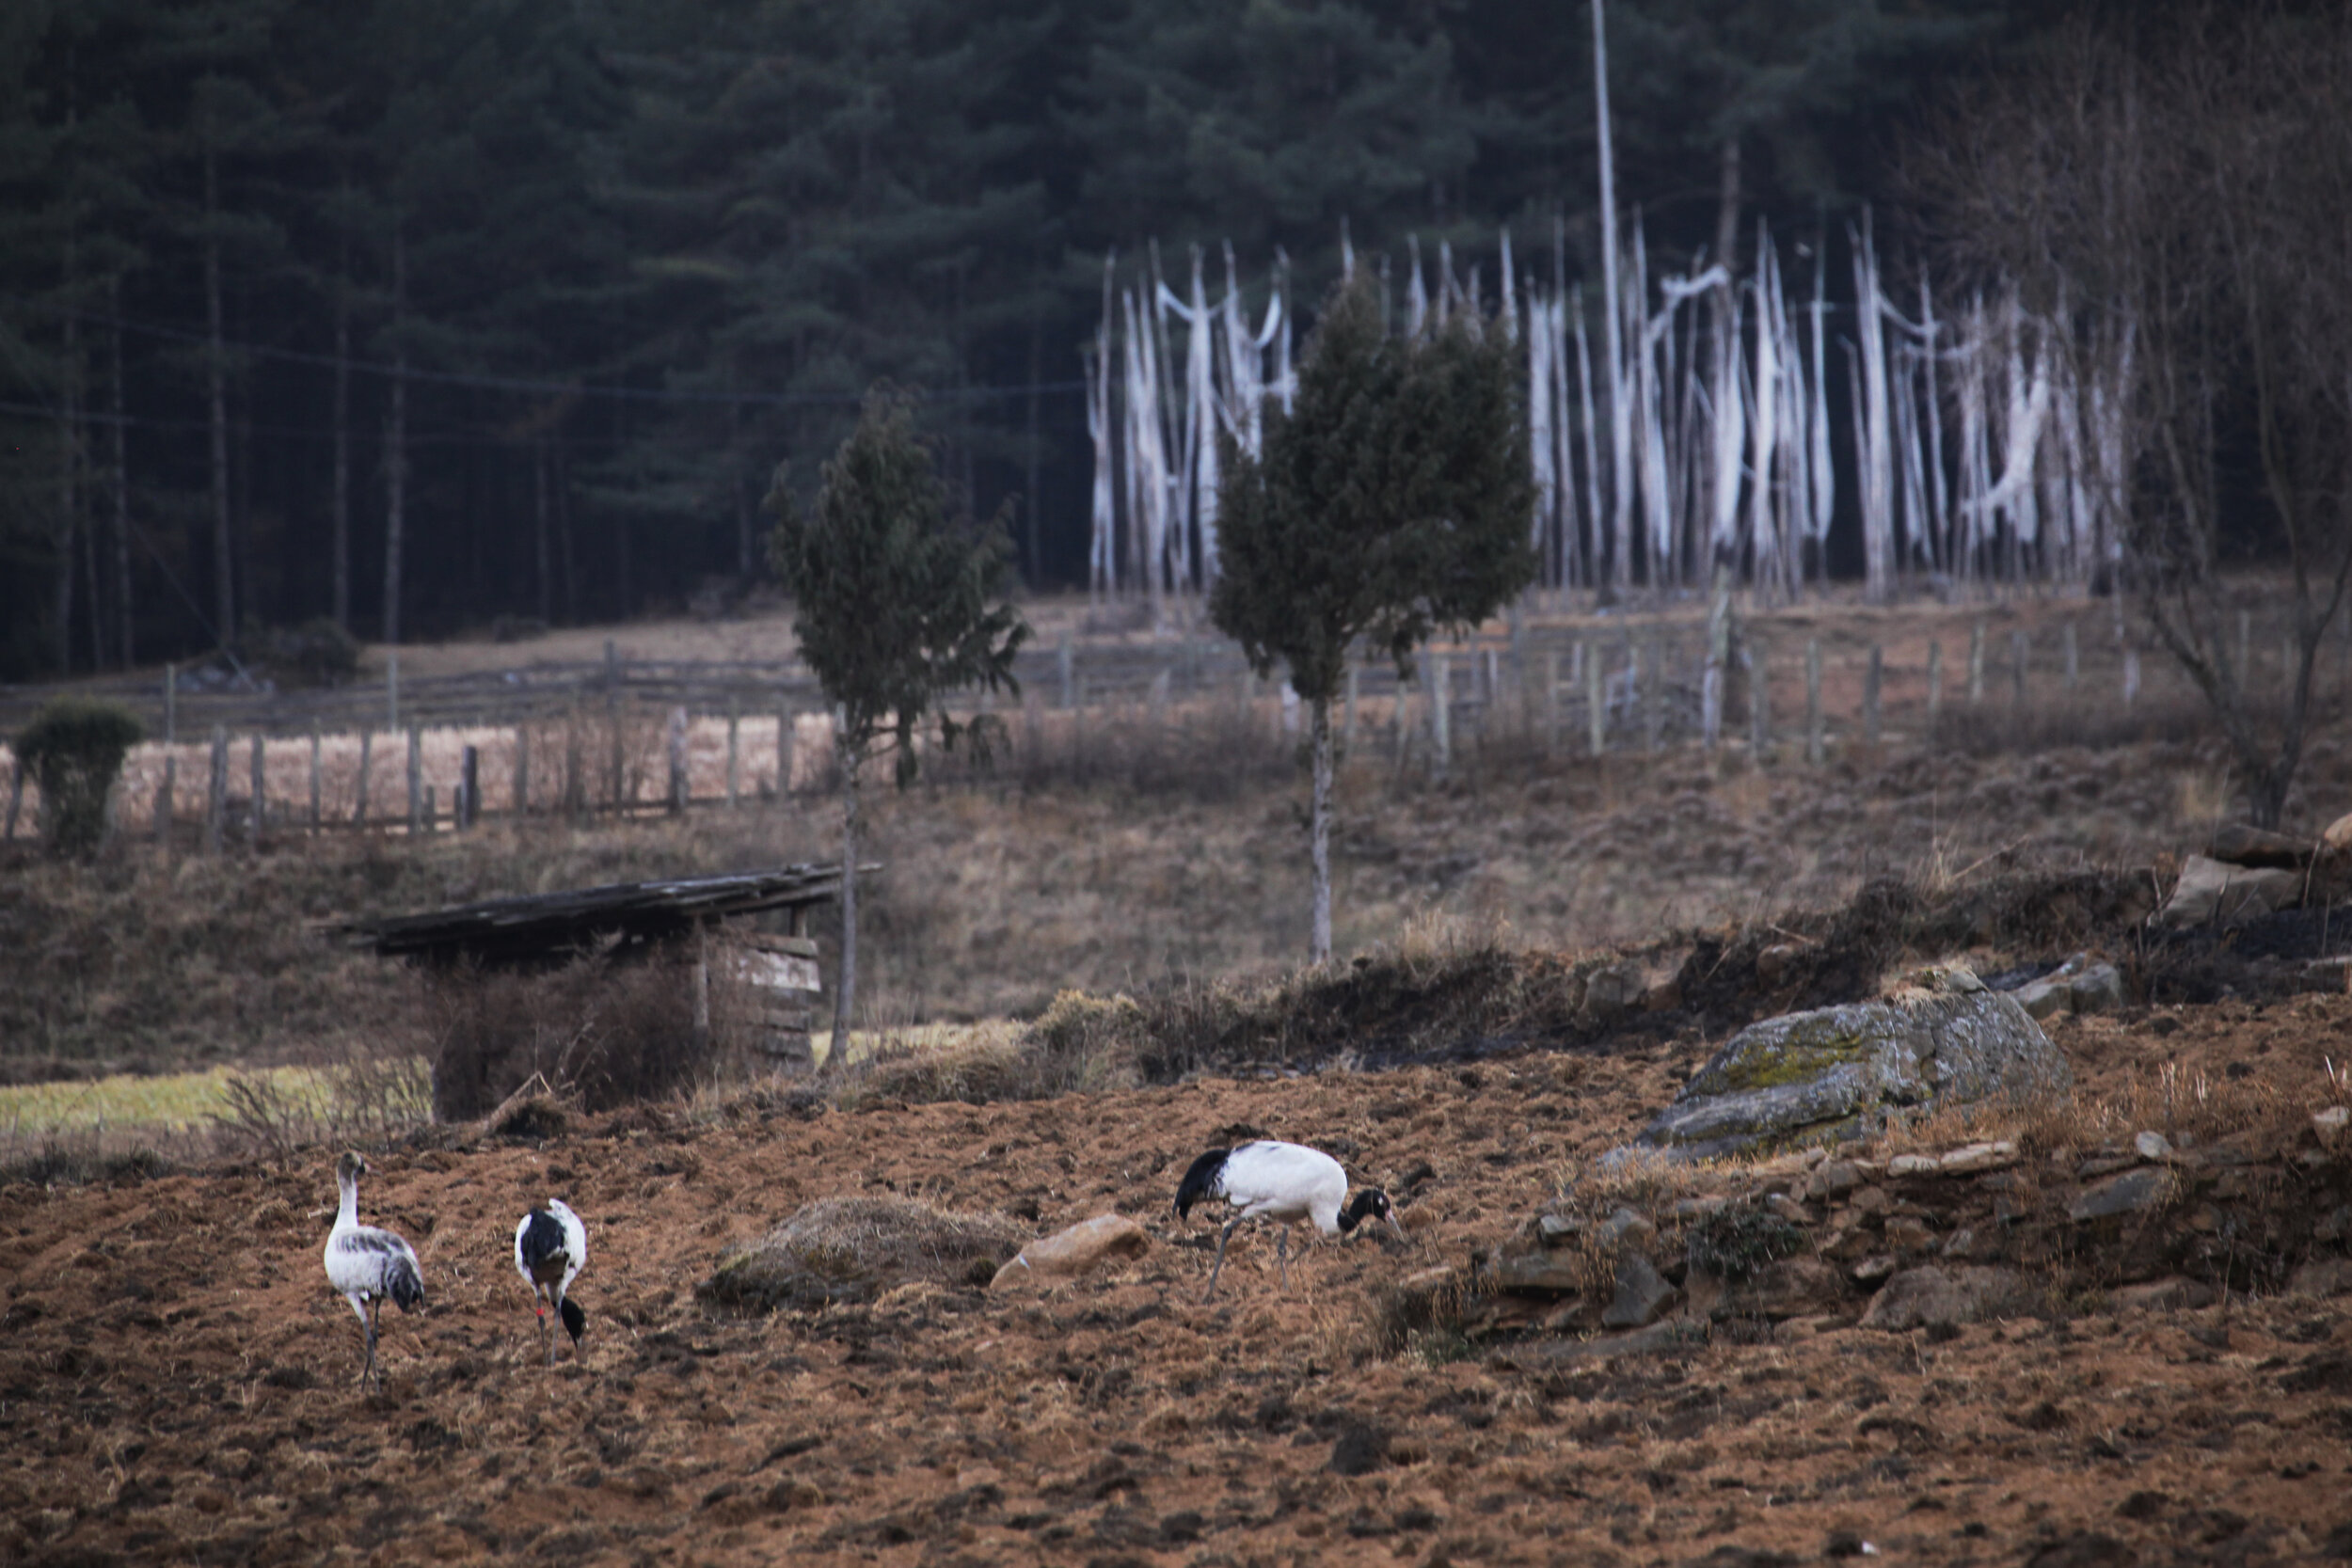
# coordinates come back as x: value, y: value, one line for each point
x: 785, y: 725
x: 416, y: 780
x: 217, y: 797
x: 467, y: 806
x: 1595, y: 705
x: 2074, y: 660
x: 2245, y: 648
x: 2017, y: 671
x: 1935, y: 684
x: 1816, y: 746
x: 1065, y: 661
x: 314, y: 776
x: 432, y: 809
x: 1649, y: 682
x: 522, y: 771
x: 675, y: 747
x: 1873, y: 684
x: 367, y: 762
x: 391, y: 689
x: 1440, y: 711
x: 162, y: 799
x: 735, y: 723
x: 171, y: 703
x: 261, y: 798
x: 1760, y: 700
x: 575, y: 771
x: 1552, y: 703
x: 16, y: 797
x: 1975, y: 664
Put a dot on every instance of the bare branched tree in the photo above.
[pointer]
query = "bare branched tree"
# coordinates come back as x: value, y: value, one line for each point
x: 2173, y: 199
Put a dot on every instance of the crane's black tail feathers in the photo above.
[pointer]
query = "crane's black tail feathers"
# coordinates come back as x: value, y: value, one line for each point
x: 575, y: 1320
x: 403, y: 1285
x: 1203, y: 1182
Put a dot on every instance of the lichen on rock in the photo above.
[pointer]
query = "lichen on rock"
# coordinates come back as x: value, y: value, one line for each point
x: 1836, y: 1072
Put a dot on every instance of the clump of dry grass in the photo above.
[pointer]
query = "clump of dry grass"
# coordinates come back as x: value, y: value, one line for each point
x: 1080, y: 1045
x: 853, y: 1249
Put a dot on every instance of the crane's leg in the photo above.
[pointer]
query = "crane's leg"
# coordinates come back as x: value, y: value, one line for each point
x: 1282, y: 1256
x: 369, y: 1371
x: 1221, y: 1240
x: 555, y: 1328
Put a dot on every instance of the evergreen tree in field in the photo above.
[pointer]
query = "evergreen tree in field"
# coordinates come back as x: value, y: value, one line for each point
x: 1392, y: 501
x: 898, y: 606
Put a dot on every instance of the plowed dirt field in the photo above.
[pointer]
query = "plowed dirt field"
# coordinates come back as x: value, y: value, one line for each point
x: 176, y: 1380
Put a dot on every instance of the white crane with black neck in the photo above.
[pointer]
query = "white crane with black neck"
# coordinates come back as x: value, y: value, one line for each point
x: 366, y: 1263
x: 550, y: 1249
x: 1284, y: 1182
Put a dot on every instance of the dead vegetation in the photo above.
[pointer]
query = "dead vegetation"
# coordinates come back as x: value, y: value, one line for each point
x: 853, y: 1249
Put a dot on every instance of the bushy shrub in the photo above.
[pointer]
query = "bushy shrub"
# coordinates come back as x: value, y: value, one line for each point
x: 74, y: 749
x: 316, y: 653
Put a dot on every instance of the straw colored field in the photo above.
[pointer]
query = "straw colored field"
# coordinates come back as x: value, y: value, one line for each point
x: 166, y: 1103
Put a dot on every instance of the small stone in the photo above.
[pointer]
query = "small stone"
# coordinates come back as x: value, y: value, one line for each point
x: 2339, y: 834
x: 1787, y: 1207
x: 1771, y: 963
x: 2152, y: 1146
x: 2047, y: 999
x: 1873, y: 1269
x: 1906, y: 1233
x: 1556, y: 1229
x: 1974, y: 1158
x: 2169, y: 1294
x: 1914, y: 1164
x: 2323, y: 1276
x: 1626, y: 1228
x: 1833, y: 1179
x: 2211, y: 890
x: 2099, y: 988
x: 1961, y: 1242
x: 2136, y: 1192
x: 2329, y: 1124
x: 1078, y: 1250
x: 2240, y: 844
x: 1918, y: 1297
x: 1641, y: 1295
x: 1541, y: 1274
x: 1871, y: 1200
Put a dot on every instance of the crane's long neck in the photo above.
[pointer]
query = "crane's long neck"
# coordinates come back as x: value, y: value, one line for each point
x: 348, y: 1216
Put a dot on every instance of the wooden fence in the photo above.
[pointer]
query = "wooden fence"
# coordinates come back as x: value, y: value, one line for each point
x: 626, y: 737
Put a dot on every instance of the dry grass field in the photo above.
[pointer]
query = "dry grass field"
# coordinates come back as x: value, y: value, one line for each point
x: 175, y: 1377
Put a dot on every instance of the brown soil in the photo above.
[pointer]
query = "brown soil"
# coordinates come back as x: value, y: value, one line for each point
x: 174, y: 1376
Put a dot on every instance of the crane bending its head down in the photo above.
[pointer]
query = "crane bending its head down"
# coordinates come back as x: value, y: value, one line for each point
x: 550, y: 1249
x: 1284, y: 1182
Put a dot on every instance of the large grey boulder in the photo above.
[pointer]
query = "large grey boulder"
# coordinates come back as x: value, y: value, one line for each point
x: 1834, y: 1073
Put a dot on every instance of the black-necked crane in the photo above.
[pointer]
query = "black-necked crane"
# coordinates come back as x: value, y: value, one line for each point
x: 550, y: 1249
x: 366, y: 1263
x: 1282, y: 1183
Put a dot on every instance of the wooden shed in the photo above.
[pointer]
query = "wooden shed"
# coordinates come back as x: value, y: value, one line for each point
x: 666, y: 921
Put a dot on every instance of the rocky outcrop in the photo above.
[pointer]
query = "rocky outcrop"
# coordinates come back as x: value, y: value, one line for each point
x: 2215, y: 892
x: 1929, y: 1237
x: 1816, y: 1077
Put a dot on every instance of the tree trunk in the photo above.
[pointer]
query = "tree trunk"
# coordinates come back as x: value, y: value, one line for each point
x: 122, y: 496
x: 1319, y: 829
x: 845, y: 993
x: 1620, y: 414
x: 341, y: 520
x: 68, y: 467
x: 396, y: 442
x: 217, y: 380
x: 546, y: 587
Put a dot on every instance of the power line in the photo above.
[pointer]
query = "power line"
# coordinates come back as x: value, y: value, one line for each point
x: 532, y: 385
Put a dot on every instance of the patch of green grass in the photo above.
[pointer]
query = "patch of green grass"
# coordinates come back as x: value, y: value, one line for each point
x: 176, y: 1102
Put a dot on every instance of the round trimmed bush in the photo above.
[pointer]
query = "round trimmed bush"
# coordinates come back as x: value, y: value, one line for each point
x: 74, y: 749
